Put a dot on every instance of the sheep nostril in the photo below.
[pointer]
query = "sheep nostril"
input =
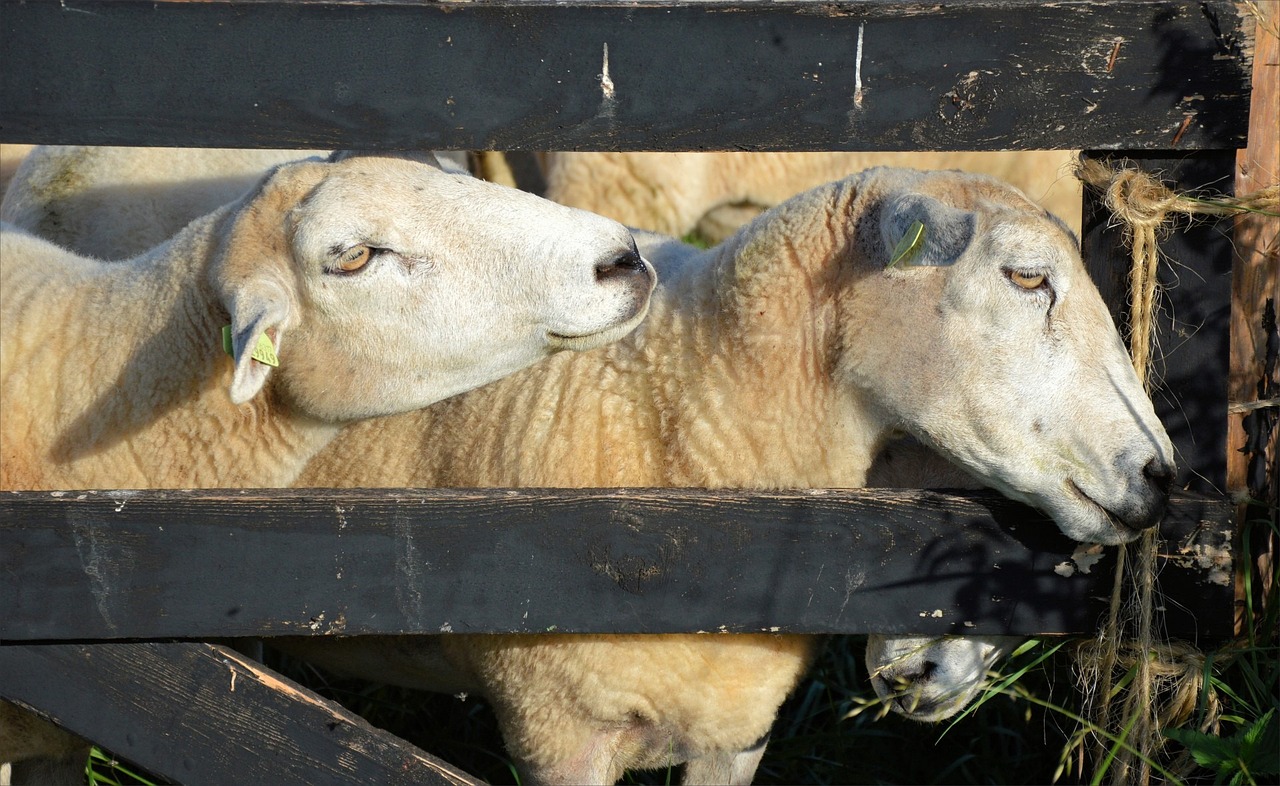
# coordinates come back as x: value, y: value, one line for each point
x: 627, y: 265
x: 1159, y: 474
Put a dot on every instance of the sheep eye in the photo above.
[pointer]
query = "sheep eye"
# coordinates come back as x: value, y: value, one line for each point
x: 353, y: 259
x: 1026, y: 280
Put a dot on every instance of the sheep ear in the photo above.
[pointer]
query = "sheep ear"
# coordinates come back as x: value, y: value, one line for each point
x: 258, y: 319
x: 919, y: 231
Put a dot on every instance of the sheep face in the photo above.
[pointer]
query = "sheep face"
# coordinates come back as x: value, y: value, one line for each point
x: 930, y: 679
x: 1005, y: 359
x: 388, y: 284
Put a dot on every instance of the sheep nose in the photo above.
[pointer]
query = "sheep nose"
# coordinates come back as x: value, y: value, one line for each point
x: 1160, y: 475
x: 909, y: 679
x: 627, y: 265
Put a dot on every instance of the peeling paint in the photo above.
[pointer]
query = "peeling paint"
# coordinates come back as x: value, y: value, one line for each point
x: 1207, y: 550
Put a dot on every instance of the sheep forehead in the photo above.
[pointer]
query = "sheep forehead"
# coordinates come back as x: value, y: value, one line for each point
x: 413, y: 207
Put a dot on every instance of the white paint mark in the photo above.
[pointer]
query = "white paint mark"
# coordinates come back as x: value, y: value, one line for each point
x: 342, y: 518
x: 122, y: 497
x: 606, y: 83
x: 857, y: 70
x: 446, y: 628
x: 1086, y: 556
x: 937, y: 614
x: 56, y: 494
x: 1064, y: 569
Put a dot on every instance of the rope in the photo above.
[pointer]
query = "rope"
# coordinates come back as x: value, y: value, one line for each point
x: 1165, y: 678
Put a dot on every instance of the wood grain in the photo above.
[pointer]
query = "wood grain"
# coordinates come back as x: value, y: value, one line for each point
x: 880, y: 75
x: 201, y: 564
x: 201, y: 713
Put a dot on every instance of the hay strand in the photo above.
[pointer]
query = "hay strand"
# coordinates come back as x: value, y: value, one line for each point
x: 1134, y: 681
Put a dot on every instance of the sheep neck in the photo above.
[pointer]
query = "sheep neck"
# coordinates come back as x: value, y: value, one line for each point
x: 758, y: 320
x: 156, y: 412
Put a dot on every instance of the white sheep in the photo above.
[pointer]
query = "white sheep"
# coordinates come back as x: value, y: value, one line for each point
x: 782, y: 358
x: 353, y: 288
x: 122, y: 200
x: 715, y: 193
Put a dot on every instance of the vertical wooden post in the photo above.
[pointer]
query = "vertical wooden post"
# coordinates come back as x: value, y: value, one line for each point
x: 1251, y: 434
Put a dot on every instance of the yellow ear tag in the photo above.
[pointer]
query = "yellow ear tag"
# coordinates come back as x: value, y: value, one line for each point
x: 908, y: 246
x: 264, y: 352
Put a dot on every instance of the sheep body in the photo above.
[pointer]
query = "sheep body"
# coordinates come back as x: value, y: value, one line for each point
x: 715, y: 193
x: 781, y: 359
x: 114, y: 375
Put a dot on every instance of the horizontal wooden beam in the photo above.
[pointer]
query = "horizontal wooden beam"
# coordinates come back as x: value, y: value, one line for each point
x: 830, y: 75
x: 202, y: 564
x: 199, y: 713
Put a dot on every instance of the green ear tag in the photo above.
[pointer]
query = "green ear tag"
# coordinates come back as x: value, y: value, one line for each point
x: 908, y: 246
x: 264, y: 352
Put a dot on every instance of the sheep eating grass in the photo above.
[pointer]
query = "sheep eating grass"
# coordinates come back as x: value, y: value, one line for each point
x: 375, y: 284
x: 783, y: 358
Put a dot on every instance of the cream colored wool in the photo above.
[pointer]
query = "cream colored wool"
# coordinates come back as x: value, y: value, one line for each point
x: 715, y: 193
x: 114, y: 375
x: 116, y: 202
x: 781, y: 359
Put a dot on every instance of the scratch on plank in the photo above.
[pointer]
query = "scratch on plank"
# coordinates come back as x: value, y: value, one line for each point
x: 606, y: 82
x: 857, y: 70
x: 66, y: 7
x: 408, y: 572
x: 91, y: 561
x: 608, y: 91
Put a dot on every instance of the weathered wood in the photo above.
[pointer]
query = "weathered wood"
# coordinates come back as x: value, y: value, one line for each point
x: 1191, y: 345
x: 1256, y: 275
x: 163, y: 701
x: 112, y: 565
x: 831, y: 75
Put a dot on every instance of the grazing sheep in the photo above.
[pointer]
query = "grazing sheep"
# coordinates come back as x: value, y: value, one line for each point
x: 379, y: 285
x: 931, y: 678
x: 782, y: 358
x: 715, y: 193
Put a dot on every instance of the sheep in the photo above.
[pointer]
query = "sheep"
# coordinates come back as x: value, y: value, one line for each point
x: 931, y: 678
x: 92, y: 196
x: 353, y: 288
x: 11, y: 156
x: 713, y: 194
x: 782, y: 358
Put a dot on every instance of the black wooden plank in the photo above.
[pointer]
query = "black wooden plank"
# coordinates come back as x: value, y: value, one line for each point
x: 837, y: 75
x: 112, y: 565
x: 1193, y: 321
x: 200, y: 713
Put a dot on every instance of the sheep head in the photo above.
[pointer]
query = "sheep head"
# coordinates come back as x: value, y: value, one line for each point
x: 386, y: 284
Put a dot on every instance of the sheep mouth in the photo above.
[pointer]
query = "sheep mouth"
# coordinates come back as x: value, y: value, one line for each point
x: 1117, y: 523
x: 597, y: 338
